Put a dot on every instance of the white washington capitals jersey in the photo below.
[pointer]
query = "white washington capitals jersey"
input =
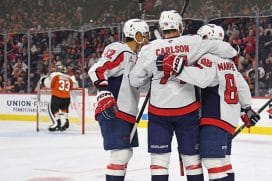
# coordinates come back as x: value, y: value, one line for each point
x: 175, y: 97
x: 114, y: 66
x: 223, y: 92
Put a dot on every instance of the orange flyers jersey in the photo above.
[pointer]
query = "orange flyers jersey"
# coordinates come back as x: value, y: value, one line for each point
x: 60, y: 84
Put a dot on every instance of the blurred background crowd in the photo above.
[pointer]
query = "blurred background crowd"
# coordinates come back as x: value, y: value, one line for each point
x: 35, y: 35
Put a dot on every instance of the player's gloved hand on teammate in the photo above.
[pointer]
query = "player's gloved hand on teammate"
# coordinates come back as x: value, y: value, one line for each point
x: 106, y: 103
x: 161, y: 67
x: 171, y: 64
x: 249, y: 117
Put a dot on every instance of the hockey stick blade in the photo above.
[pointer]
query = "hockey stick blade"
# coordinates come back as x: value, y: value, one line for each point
x: 259, y: 111
x: 133, y: 131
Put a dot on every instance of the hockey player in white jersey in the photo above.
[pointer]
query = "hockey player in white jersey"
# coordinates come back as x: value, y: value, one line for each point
x: 224, y: 92
x: 117, y: 101
x: 173, y: 106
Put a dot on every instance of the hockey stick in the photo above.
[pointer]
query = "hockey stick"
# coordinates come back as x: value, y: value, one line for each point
x: 141, y: 8
x: 184, y: 7
x: 259, y: 111
x: 183, y: 10
x: 38, y: 105
x: 133, y: 131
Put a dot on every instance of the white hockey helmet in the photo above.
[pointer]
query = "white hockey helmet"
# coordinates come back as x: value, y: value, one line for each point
x: 206, y: 31
x: 132, y: 26
x: 170, y: 20
x: 218, y: 33
x: 211, y: 32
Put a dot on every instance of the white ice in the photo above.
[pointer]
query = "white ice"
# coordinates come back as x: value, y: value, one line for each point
x: 27, y: 155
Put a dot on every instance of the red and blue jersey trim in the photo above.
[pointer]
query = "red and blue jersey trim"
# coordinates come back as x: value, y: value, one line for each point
x: 219, y: 123
x: 126, y: 117
x: 173, y: 111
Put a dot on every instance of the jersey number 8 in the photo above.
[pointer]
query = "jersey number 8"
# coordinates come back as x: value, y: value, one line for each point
x: 230, y: 94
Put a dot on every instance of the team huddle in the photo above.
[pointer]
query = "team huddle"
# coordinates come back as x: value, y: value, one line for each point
x: 194, y: 85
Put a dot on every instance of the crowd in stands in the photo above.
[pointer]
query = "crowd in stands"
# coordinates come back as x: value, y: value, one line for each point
x: 242, y: 32
x: 66, y: 48
x: 39, y: 15
x: 67, y: 45
x: 17, y: 16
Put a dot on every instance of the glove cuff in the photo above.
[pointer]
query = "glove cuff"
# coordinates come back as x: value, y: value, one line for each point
x: 101, y: 85
x: 103, y: 94
x: 245, y: 109
x: 179, y: 62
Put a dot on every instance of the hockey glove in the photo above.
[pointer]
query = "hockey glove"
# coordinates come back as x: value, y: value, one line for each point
x: 101, y: 85
x: 172, y: 64
x: 106, y: 105
x: 249, y: 117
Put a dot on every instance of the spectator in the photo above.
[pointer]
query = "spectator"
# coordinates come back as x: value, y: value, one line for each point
x: 268, y: 72
x: 19, y: 85
x: 234, y: 38
x: 1, y: 83
x: 249, y: 43
x: 8, y: 88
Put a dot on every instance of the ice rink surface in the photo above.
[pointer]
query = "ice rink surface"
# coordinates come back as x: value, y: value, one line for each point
x: 27, y: 155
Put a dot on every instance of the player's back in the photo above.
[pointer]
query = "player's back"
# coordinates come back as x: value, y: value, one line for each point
x: 220, y: 101
x: 174, y: 97
x: 60, y: 84
x: 167, y: 91
x: 188, y: 45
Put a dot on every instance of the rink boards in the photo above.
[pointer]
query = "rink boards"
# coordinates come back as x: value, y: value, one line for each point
x: 22, y: 107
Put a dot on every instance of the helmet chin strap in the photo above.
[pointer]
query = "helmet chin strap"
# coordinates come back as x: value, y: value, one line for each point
x: 139, y: 42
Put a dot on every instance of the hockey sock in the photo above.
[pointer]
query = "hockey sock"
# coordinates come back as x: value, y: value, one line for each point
x: 220, y: 179
x: 159, y: 177
x: 230, y: 176
x: 199, y: 177
x: 193, y: 167
x: 114, y: 178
